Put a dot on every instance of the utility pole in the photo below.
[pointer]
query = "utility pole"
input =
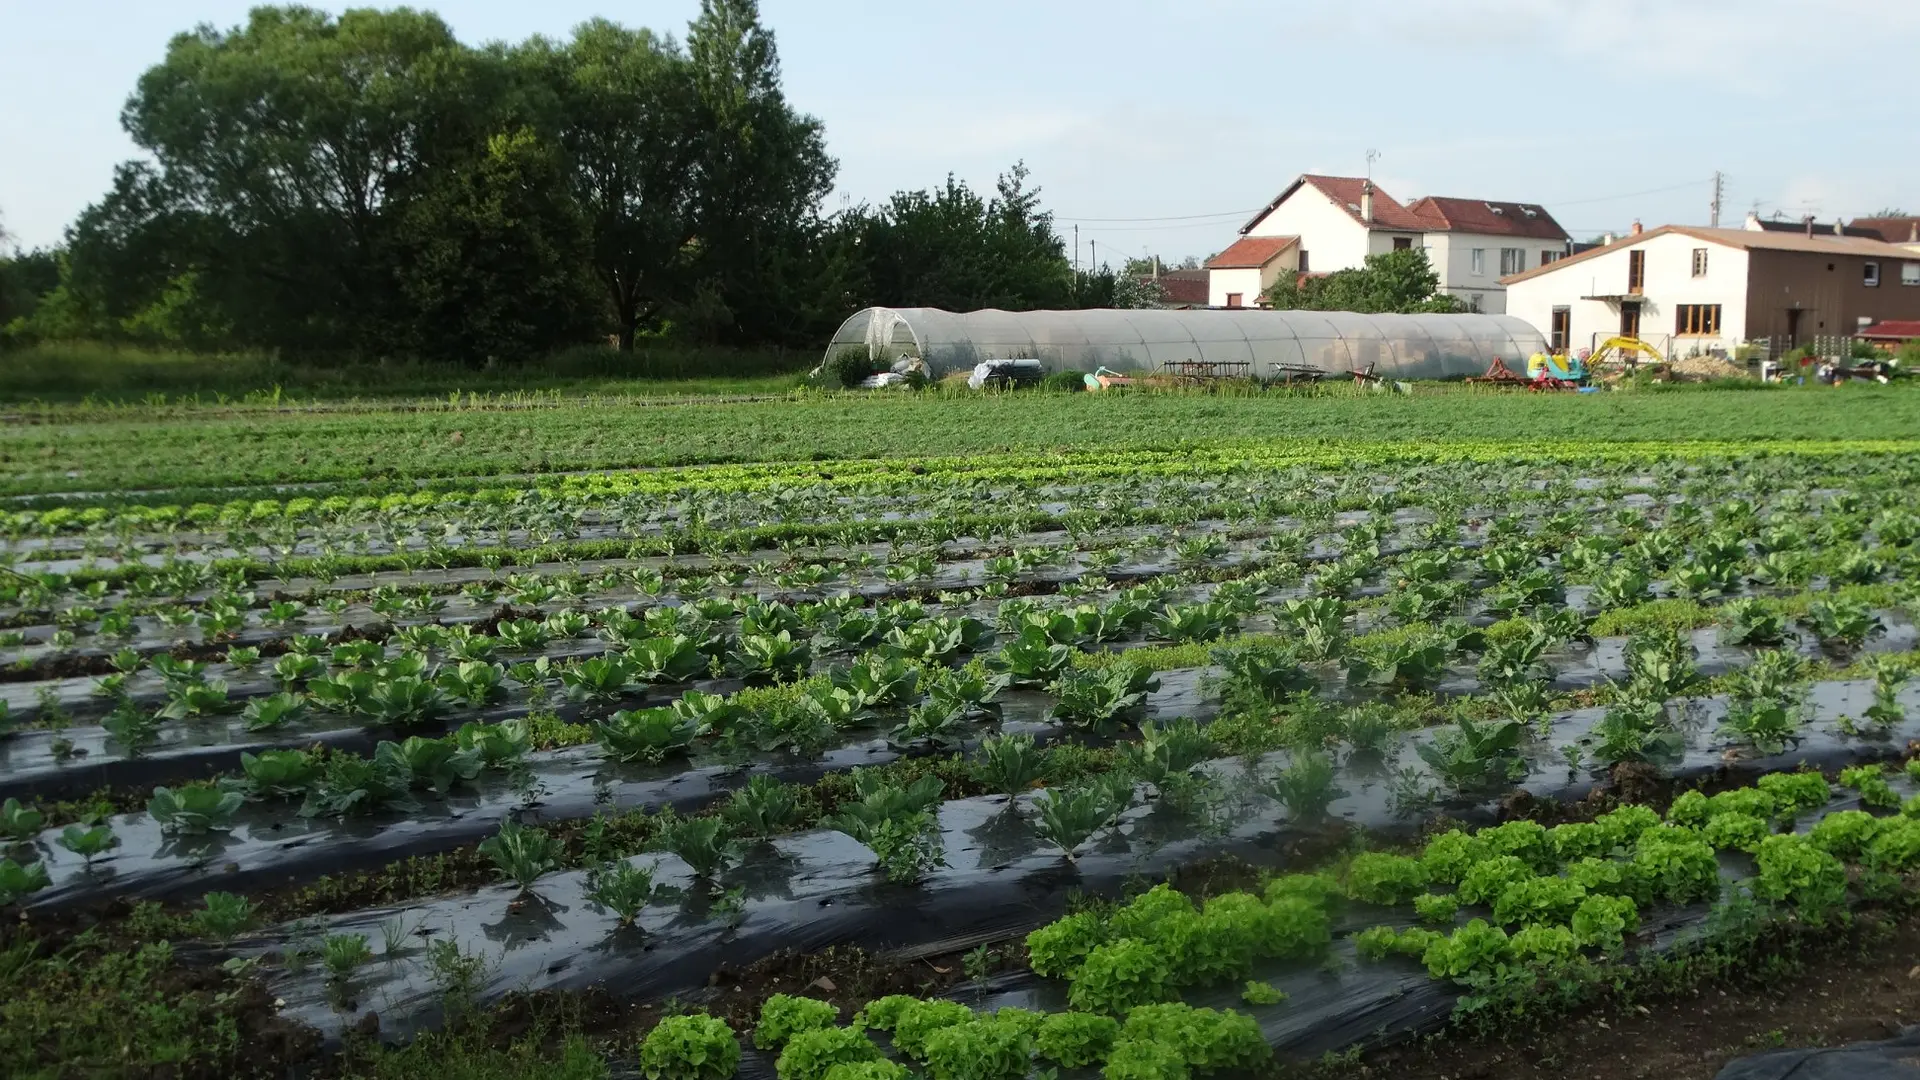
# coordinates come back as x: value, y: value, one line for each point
x: 1076, y: 249
x: 1093, y: 256
x: 1719, y: 188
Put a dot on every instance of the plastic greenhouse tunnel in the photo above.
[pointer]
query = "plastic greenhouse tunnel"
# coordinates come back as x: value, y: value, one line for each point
x: 1270, y: 342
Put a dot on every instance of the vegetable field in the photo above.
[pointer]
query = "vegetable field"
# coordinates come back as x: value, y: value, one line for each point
x: 1144, y: 763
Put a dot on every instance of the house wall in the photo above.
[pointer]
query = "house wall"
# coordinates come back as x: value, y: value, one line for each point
x: 1452, y: 255
x: 1245, y: 281
x: 1829, y: 290
x: 1331, y: 237
x: 1669, y: 283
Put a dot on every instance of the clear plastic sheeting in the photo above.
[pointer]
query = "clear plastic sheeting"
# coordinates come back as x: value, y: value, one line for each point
x: 1270, y: 342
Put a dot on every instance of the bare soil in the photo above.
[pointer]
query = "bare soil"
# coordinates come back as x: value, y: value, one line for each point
x: 1864, y: 991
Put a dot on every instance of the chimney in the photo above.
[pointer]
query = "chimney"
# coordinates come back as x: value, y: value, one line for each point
x: 1808, y: 222
x: 1753, y: 222
x: 1637, y: 228
x: 1607, y: 239
x: 1837, y: 230
x: 1913, y: 233
x: 1366, y: 201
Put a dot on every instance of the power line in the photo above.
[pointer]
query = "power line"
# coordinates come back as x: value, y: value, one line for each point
x: 1174, y: 217
x: 1628, y: 195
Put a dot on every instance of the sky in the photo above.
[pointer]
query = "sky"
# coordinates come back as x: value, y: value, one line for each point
x: 1161, y: 127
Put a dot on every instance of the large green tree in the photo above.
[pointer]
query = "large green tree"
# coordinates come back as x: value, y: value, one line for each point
x: 1395, y: 281
x: 954, y: 248
x: 492, y: 258
x: 626, y: 114
x: 763, y: 172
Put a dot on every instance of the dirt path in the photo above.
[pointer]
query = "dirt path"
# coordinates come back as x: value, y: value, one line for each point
x: 1853, y: 995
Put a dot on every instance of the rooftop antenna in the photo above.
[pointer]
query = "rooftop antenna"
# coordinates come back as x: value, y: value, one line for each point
x: 1372, y: 156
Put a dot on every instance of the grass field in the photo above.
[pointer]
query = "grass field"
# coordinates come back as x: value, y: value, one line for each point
x: 108, y: 450
x: 62, y: 372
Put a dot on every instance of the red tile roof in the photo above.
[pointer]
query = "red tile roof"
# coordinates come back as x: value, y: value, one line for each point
x: 1431, y: 214
x: 1488, y: 218
x: 1251, y: 252
x: 1185, y: 286
x: 1894, y: 230
x: 1345, y: 191
x: 1892, y: 330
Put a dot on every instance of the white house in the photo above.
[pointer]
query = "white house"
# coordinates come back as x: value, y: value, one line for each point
x: 1320, y: 224
x: 1683, y: 289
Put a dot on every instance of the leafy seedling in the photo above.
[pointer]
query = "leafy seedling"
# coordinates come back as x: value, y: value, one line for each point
x: 622, y: 888
x: 521, y: 854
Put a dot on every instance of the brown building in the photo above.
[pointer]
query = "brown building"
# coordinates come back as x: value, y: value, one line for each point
x: 1684, y: 290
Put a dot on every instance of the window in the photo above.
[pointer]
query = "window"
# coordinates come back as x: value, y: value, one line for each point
x: 1549, y: 256
x: 1473, y: 302
x: 1233, y: 299
x: 1512, y: 260
x: 1562, y: 329
x: 1402, y: 243
x: 1303, y: 260
x: 1910, y: 273
x: 1636, y: 272
x: 1870, y: 274
x: 1697, y: 319
x: 1479, y: 262
x: 1699, y: 262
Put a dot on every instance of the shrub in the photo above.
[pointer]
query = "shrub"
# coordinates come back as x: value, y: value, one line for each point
x: 1436, y: 908
x: 1491, y: 876
x: 919, y: 1020
x: 1796, y: 792
x: 1138, y: 1059
x: 785, y: 1015
x: 1543, y: 944
x: 1797, y: 872
x: 1378, y: 878
x: 868, y: 1070
x: 1741, y: 832
x: 1262, y: 993
x: 1538, y: 900
x: 1120, y: 975
x: 1604, y: 921
x: 809, y: 1054
x: 1057, y: 949
x: 689, y: 1048
x: 1208, y: 1039
x: 1380, y: 942
x: 883, y: 1014
x: 1077, y: 1039
x: 1141, y: 915
x: 1471, y: 948
x: 1895, y: 846
x: 1526, y: 840
x: 1845, y: 833
x: 979, y: 1050
x: 1675, y: 867
x: 846, y: 367
x: 1449, y: 856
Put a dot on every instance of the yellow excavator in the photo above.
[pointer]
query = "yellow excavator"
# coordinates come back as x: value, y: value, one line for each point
x: 1624, y: 352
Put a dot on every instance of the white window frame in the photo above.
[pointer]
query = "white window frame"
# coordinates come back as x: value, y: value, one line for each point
x: 1699, y: 262
x: 1516, y: 258
x: 1479, y: 262
x: 1870, y: 274
x: 1910, y: 273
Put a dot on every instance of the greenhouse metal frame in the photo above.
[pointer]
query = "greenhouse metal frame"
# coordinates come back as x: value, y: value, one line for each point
x: 1270, y: 342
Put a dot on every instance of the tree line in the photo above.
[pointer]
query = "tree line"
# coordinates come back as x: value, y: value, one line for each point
x: 366, y: 185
